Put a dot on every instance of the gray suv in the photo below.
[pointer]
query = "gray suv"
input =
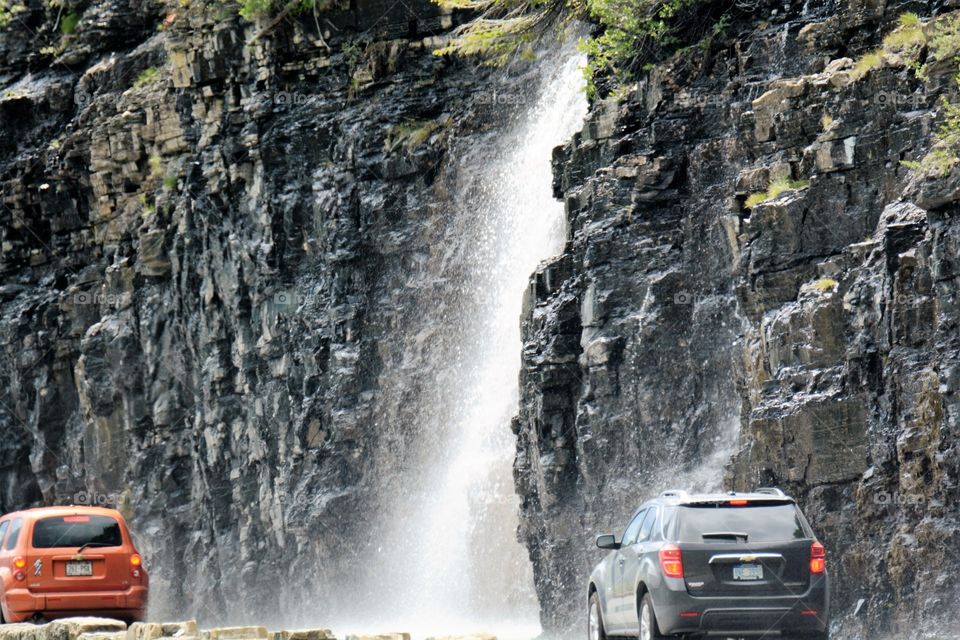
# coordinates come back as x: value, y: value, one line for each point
x: 734, y: 564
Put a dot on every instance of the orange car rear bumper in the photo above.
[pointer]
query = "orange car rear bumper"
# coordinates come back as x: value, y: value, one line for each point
x: 23, y: 601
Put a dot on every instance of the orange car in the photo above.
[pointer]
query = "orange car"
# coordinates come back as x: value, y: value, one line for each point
x: 57, y: 562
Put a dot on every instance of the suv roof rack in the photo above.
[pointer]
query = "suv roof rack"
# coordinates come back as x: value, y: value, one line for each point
x: 773, y: 491
x: 674, y: 493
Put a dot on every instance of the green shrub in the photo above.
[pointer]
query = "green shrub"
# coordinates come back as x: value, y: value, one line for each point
x: 637, y: 33
x: 68, y: 24
x: 252, y: 9
x: 825, y: 284
x: 944, y: 41
x: 410, y: 135
x: 633, y: 35
x: 8, y: 10
x: 939, y: 161
x: 146, y: 76
x: 496, y: 41
x: 868, y: 62
x: 774, y: 191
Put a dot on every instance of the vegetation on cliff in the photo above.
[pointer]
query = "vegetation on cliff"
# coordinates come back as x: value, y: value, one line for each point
x: 629, y: 35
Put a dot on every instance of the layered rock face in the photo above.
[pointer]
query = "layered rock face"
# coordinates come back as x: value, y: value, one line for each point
x: 225, y: 256
x: 807, y: 341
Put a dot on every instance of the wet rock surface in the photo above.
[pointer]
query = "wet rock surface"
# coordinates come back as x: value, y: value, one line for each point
x: 214, y: 231
x: 215, y: 234
x: 809, y: 342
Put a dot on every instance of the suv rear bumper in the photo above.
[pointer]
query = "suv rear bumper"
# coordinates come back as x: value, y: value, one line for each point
x: 127, y: 603
x: 679, y: 612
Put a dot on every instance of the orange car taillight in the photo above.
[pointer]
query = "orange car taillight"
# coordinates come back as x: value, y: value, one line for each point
x: 135, y: 563
x: 19, y: 564
x: 671, y: 561
x: 818, y: 559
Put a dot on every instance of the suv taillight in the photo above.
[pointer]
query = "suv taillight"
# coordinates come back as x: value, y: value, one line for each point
x: 671, y: 561
x: 818, y: 559
x: 135, y: 562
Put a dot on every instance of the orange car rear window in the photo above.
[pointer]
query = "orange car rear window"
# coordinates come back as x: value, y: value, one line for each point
x: 14, y: 534
x: 76, y: 531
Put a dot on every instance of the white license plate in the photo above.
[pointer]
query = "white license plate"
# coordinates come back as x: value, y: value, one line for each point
x: 79, y: 568
x: 747, y: 572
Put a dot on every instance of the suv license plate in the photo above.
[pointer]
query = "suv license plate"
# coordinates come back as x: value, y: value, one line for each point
x: 78, y: 568
x: 747, y: 572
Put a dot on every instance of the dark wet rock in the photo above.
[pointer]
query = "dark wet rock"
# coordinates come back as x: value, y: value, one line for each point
x: 213, y: 228
x: 809, y: 342
x: 209, y: 228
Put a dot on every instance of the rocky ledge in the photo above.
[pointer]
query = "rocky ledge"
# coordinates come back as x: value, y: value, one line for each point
x: 106, y: 629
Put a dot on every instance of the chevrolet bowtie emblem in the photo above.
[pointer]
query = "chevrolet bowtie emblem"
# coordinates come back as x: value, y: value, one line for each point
x: 747, y: 558
x: 38, y: 567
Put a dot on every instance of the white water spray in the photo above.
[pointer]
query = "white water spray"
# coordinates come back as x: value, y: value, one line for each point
x: 450, y: 558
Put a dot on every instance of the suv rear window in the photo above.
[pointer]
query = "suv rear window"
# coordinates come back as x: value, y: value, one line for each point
x: 76, y: 531
x: 761, y: 523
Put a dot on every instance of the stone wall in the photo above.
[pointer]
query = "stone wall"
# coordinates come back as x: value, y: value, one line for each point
x: 807, y: 342
x: 214, y: 231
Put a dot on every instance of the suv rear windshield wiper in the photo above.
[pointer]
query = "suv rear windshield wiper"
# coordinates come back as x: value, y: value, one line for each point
x: 732, y: 535
x: 95, y: 544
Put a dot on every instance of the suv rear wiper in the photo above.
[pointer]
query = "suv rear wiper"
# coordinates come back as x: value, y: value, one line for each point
x: 95, y: 544
x: 733, y: 535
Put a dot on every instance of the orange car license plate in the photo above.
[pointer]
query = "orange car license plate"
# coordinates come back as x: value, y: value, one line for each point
x: 79, y: 568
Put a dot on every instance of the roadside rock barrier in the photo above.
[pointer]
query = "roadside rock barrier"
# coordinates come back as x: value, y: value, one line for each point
x: 303, y: 634
x: 66, y: 629
x: 382, y: 636
x: 187, y: 630
x: 235, y: 633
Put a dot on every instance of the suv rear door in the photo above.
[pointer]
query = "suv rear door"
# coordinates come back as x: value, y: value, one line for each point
x: 739, y: 548
x: 78, y: 552
x: 632, y: 567
x: 618, y: 601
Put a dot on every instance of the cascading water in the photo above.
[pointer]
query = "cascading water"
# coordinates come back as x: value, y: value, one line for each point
x: 449, y: 559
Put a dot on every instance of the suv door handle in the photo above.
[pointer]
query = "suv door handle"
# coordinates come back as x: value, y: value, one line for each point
x: 622, y: 561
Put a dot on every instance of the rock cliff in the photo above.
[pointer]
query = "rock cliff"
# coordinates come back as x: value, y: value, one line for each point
x: 225, y: 254
x: 226, y: 258
x: 699, y: 326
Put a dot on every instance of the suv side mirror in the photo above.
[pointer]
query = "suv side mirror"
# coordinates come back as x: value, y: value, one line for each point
x: 608, y: 541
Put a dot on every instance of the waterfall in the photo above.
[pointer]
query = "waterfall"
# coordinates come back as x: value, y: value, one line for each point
x: 447, y: 558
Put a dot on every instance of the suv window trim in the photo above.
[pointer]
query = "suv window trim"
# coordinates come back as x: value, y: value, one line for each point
x: 638, y: 518
x: 652, y: 515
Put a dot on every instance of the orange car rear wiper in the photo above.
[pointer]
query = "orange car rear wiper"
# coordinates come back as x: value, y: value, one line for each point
x: 95, y: 544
